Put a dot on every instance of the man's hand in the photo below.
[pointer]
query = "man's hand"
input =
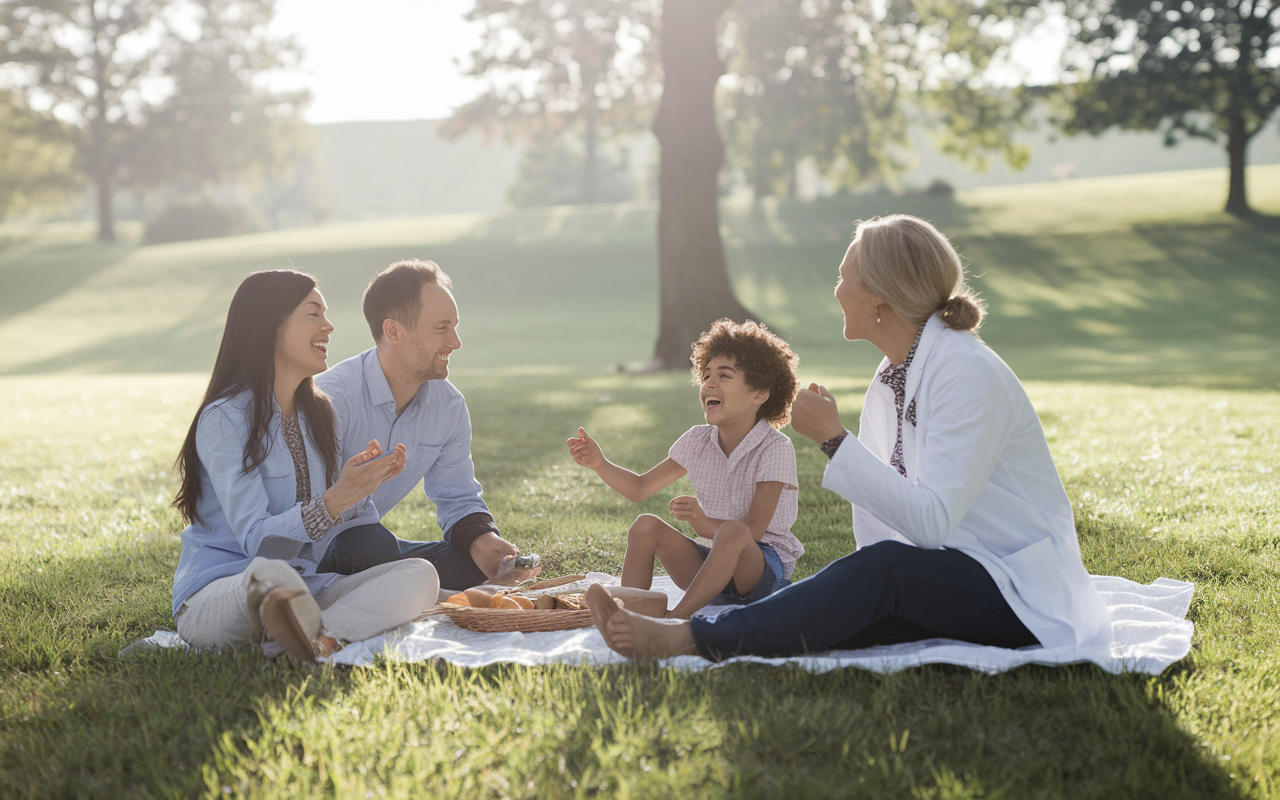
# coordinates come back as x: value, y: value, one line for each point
x: 489, y: 550
x: 585, y: 450
x: 814, y: 414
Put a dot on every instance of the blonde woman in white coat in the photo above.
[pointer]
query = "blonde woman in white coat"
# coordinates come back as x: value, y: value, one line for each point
x: 963, y: 528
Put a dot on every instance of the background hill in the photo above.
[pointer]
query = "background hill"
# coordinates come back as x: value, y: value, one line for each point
x: 378, y: 170
x: 1122, y: 278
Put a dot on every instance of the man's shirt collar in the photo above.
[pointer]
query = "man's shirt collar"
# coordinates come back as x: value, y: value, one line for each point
x: 376, y: 381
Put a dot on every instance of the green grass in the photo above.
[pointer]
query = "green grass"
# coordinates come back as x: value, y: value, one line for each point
x: 1165, y: 427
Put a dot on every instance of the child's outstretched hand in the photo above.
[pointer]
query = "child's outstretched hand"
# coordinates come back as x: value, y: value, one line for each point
x: 686, y: 509
x: 585, y: 450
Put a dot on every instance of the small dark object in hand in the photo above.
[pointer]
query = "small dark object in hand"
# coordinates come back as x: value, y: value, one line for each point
x: 528, y: 561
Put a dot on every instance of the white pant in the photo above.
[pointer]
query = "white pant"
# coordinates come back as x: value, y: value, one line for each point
x: 353, y: 607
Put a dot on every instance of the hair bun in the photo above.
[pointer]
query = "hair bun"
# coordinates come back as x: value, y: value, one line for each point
x: 962, y: 312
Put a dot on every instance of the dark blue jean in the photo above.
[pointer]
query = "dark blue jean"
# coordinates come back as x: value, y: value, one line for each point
x: 882, y: 594
x: 364, y: 546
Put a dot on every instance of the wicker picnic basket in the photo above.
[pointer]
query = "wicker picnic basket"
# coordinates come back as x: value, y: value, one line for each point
x: 507, y: 620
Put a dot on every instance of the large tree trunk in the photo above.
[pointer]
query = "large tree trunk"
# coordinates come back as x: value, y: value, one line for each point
x: 693, y: 284
x: 100, y: 160
x: 590, y: 140
x: 106, y: 209
x: 1237, y: 142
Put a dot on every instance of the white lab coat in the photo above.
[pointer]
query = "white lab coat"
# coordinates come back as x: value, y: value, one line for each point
x: 980, y: 480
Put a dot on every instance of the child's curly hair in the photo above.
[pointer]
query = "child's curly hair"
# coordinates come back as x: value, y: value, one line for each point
x: 766, y: 361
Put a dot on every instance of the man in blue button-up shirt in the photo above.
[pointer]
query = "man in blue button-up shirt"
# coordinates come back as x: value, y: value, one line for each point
x: 397, y: 392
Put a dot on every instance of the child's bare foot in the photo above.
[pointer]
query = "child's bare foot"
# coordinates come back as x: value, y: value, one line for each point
x: 603, y: 607
x: 636, y: 636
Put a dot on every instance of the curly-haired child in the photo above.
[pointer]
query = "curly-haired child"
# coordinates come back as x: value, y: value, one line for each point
x: 743, y: 472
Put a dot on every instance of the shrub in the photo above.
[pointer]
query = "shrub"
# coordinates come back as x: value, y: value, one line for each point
x: 940, y: 188
x: 201, y: 219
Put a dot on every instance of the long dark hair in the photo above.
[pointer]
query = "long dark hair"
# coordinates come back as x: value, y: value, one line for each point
x: 246, y: 360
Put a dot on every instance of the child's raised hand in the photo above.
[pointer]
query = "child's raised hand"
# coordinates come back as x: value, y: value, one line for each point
x: 585, y: 451
x: 686, y: 509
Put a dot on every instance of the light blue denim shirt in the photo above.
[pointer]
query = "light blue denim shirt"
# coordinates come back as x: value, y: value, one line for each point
x: 435, y: 429
x: 248, y: 514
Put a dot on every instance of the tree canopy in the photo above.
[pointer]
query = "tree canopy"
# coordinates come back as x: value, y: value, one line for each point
x: 1207, y: 69
x: 37, y: 159
x: 555, y: 64
x: 840, y: 81
x: 159, y: 90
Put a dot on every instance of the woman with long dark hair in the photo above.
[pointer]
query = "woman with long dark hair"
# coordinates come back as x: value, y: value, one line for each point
x: 263, y: 494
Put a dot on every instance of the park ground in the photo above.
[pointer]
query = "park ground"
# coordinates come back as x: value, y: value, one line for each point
x: 1141, y: 318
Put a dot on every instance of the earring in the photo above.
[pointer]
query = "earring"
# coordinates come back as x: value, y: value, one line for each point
x: 877, y: 314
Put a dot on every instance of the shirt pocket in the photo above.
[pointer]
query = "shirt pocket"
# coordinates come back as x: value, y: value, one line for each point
x: 279, y: 480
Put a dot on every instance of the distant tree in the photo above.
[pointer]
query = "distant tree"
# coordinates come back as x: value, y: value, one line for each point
x: 839, y: 81
x: 219, y: 123
x: 114, y: 66
x: 693, y: 283
x: 1206, y: 69
x: 552, y: 65
x: 549, y: 172
x: 36, y: 159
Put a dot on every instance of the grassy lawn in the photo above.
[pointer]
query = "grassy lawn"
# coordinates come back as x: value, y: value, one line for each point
x: 1135, y: 312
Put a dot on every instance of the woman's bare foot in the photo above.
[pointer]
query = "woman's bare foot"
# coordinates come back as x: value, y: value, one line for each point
x: 636, y: 636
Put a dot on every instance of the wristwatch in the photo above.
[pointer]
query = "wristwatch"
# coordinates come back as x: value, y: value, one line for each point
x: 831, y: 445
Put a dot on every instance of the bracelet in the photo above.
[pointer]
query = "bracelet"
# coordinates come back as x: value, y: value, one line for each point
x: 830, y: 446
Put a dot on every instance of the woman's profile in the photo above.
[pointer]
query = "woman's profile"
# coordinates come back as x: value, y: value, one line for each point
x: 262, y: 490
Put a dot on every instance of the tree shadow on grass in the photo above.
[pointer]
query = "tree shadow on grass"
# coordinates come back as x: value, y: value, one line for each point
x: 187, y: 347
x: 78, y: 720
x: 34, y: 274
x: 1071, y: 732
x: 1269, y: 223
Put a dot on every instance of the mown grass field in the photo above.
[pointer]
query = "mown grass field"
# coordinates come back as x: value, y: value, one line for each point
x: 1137, y: 314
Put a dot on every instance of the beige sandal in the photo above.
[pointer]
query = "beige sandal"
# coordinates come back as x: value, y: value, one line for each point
x: 291, y: 618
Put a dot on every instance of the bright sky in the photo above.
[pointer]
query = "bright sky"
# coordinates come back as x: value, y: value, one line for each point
x: 395, y: 59
x: 381, y: 59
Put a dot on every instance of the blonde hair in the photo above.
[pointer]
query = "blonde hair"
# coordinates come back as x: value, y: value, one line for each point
x: 913, y: 268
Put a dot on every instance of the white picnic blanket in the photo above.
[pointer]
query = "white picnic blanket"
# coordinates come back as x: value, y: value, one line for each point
x: 1149, y: 623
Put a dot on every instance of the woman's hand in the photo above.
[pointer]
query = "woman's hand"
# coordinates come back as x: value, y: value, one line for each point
x: 814, y: 414
x: 585, y: 450
x: 362, y: 475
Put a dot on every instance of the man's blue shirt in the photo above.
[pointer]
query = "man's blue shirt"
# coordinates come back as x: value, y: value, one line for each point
x: 435, y: 429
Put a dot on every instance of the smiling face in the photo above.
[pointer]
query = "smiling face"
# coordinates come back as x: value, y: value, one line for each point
x: 857, y: 303
x: 302, y: 341
x: 726, y: 398
x: 428, y: 343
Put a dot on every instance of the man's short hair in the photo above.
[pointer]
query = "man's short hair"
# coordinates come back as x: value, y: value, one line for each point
x: 396, y: 293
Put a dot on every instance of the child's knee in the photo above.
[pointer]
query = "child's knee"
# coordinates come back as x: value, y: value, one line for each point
x: 645, y: 528
x: 734, y: 533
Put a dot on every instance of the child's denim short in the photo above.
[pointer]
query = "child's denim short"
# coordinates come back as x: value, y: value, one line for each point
x: 770, y: 582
